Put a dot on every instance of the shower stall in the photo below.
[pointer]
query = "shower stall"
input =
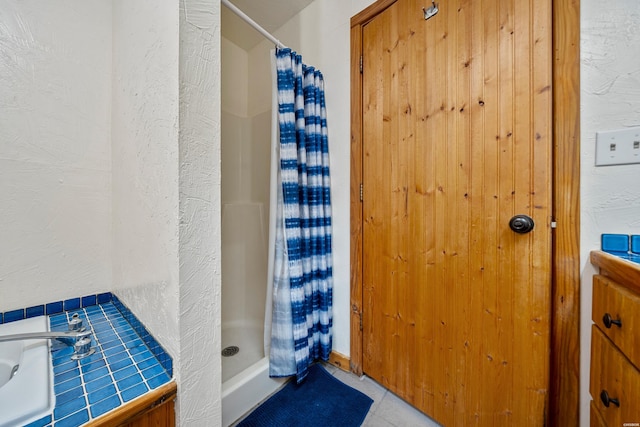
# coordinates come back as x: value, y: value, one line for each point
x: 246, y: 182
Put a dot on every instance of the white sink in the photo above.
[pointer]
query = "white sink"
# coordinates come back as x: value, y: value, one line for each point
x: 28, y: 396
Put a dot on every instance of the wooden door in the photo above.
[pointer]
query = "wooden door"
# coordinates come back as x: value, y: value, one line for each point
x: 456, y: 137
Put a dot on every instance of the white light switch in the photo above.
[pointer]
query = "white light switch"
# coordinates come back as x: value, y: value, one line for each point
x: 618, y: 147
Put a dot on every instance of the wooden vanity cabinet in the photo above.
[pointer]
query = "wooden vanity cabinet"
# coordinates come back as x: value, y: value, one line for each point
x: 596, y: 419
x: 615, y: 342
x: 156, y: 408
x: 615, y: 382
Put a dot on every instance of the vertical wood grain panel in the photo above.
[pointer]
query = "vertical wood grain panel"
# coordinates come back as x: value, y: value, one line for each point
x: 493, y: 298
x: 381, y: 208
x: 481, y: 292
x: 565, y: 343
x: 439, y: 310
x: 418, y: 204
x: 505, y: 135
x: 356, y: 205
x: 521, y: 202
x: 466, y: 279
x: 388, y: 173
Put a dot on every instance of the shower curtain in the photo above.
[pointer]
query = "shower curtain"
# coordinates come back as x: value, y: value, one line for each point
x: 301, y: 318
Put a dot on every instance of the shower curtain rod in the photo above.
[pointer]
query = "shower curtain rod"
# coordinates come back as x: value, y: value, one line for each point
x: 251, y: 22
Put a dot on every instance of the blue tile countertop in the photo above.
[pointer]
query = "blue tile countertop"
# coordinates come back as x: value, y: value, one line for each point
x: 128, y: 362
x: 622, y: 245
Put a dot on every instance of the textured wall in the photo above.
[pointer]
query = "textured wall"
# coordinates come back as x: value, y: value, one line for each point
x: 610, y: 99
x: 55, y: 159
x: 56, y: 133
x: 199, y: 373
x: 145, y: 163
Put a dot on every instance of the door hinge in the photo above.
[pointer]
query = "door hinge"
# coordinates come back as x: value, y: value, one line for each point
x: 361, y: 64
x: 554, y: 224
x: 360, y: 321
x: 361, y: 192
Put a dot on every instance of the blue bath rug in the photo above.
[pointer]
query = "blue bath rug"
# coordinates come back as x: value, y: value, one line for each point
x: 321, y: 400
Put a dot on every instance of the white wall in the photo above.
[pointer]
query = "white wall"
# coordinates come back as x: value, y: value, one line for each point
x: 199, y: 376
x: 246, y: 141
x: 236, y: 156
x: 247, y: 129
x: 55, y: 159
x: 235, y: 71
x: 610, y: 99
x: 236, y: 131
x: 166, y: 157
x: 145, y: 163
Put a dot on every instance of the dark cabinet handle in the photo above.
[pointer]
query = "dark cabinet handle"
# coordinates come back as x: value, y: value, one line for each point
x: 608, y: 321
x: 604, y: 396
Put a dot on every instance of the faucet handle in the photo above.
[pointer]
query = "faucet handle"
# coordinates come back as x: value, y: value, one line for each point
x: 75, y: 324
x: 82, y: 348
x: 82, y: 335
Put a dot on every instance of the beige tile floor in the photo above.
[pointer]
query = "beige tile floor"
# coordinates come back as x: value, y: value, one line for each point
x: 387, y: 409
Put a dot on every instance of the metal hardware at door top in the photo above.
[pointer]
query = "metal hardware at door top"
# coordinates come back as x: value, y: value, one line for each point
x: 521, y: 224
x: 431, y: 11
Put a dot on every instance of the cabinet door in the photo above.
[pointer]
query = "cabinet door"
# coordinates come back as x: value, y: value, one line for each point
x: 596, y: 418
x: 623, y: 310
x: 162, y: 415
x: 611, y: 373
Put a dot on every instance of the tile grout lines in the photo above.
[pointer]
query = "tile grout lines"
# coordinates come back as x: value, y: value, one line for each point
x: 124, y: 336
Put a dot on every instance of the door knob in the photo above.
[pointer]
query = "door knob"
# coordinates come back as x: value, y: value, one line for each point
x: 608, y: 400
x: 609, y: 321
x: 521, y: 224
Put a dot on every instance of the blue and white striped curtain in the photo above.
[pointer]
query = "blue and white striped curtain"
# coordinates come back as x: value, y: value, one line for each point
x: 301, y: 330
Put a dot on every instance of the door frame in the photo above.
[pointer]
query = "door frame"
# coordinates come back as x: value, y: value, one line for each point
x: 564, y: 386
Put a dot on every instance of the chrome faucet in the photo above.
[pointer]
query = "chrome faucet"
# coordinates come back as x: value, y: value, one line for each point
x: 76, y: 336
